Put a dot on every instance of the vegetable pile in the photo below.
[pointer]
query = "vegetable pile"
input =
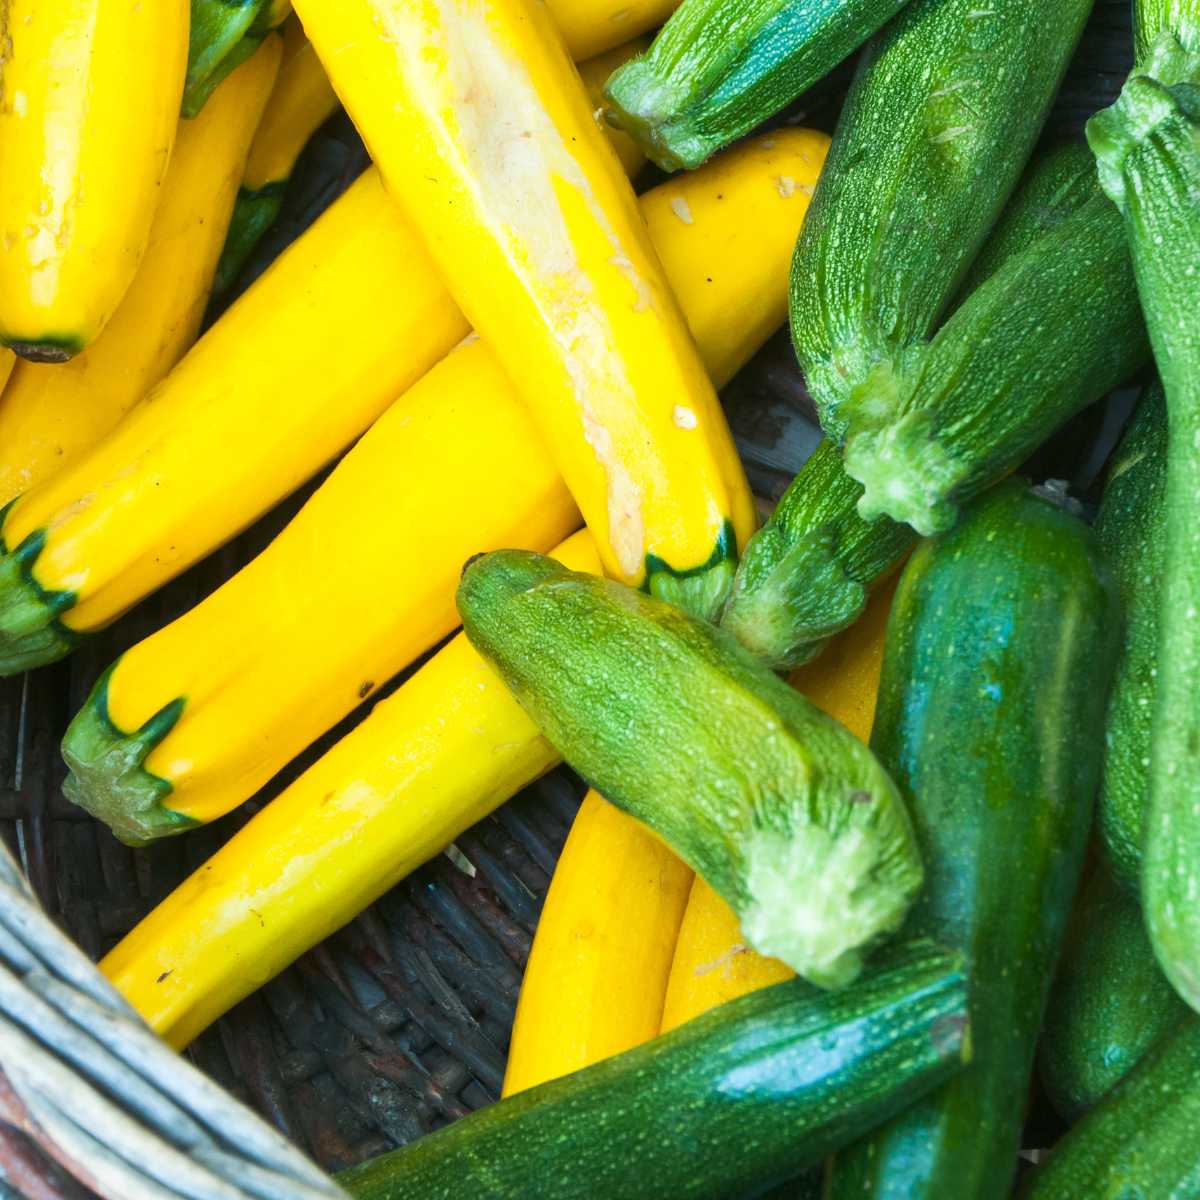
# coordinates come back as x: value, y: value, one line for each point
x: 829, y: 905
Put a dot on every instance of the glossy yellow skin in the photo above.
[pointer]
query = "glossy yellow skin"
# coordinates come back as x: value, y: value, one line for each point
x: 485, y: 138
x: 444, y: 750
x: 343, y: 321
x: 712, y: 962
x: 89, y: 102
x: 304, y: 624
x: 435, y: 757
x: 595, y: 73
x: 589, y: 28
x: 597, y: 974
x: 302, y: 101
x: 49, y: 413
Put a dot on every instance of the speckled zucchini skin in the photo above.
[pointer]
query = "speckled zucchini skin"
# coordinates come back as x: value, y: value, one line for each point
x: 948, y: 102
x: 1131, y: 526
x: 730, y: 1103
x: 719, y: 68
x: 991, y: 705
x: 1139, y: 1142
x: 1110, y: 1003
x: 668, y: 718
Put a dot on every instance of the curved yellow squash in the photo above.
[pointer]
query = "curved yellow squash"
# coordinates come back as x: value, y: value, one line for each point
x: 343, y: 321
x: 302, y: 100
x: 588, y: 28
x: 362, y: 580
x: 48, y: 414
x: 89, y: 101
x: 712, y: 962
x: 476, y: 120
x: 597, y: 974
x: 432, y: 759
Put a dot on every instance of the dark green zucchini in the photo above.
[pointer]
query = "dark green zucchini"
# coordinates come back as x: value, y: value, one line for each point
x: 1140, y: 1142
x: 990, y: 716
x: 937, y: 128
x: 1132, y: 529
x: 1148, y: 149
x: 741, y: 1098
x: 1049, y: 333
x: 1110, y: 1002
x: 805, y: 575
x: 719, y: 68
x: 671, y: 720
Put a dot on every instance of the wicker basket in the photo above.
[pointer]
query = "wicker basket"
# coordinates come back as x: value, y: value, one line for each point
x: 397, y: 1024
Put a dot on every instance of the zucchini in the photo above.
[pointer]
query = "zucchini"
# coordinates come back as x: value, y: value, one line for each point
x: 1132, y: 529
x: 754, y: 787
x: 741, y: 1098
x: 1049, y: 333
x: 222, y: 35
x: 1148, y: 149
x: 932, y: 139
x: 718, y: 68
x: 1110, y: 1002
x: 995, y: 744
x: 1139, y: 1142
x: 804, y: 576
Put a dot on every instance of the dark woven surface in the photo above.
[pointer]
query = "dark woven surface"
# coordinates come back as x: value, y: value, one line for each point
x: 400, y: 1022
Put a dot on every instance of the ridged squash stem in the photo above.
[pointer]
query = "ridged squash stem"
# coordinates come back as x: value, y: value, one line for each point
x: 536, y: 231
x: 1148, y: 148
x: 48, y: 417
x: 1049, y: 333
x: 806, y: 574
x: 1132, y: 528
x: 302, y: 101
x: 270, y: 394
x: 785, y: 813
x: 303, y: 622
x: 718, y: 68
x: 943, y: 114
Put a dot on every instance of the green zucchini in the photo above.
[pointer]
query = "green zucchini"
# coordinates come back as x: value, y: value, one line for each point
x: 1132, y: 530
x: 941, y: 119
x: 805, y: 575
x: 670, y: 719
x: 1110, y: 1001
x: 224, y: 34
x: 742, y: 1097
x: 254, y: 212
x: 1139, y: 1142
x: 719, y: 68
x: 1048, y: 334
x: 1148, y: 149
x: 990, y: 716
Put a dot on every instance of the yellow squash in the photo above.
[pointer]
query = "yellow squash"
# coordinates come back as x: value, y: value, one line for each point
x: 597, y: 974
x: 301, y: 102
x: 595, y: 73
x: 712, y: 961
x: 48, y: 414
x: 448, y: 747
x: 89, y: 101
x: 484, y: 137
x: 343, y: 321
x: 362, y: 580
x: 588, y: 29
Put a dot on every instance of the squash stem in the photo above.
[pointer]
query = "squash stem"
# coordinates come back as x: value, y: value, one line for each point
x: 1148, y: 148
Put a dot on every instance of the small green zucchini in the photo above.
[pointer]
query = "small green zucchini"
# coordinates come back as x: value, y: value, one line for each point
x: 1131, y: 526
x: 1110, y: 1003
x: 1048, y: 334
x: 730, y: 1103
x: 805, y: 575
x: 719, y: 68
x: 783, y: 811
x: 994, y: 741
x: 1139, y: 1142
x: 943, y: 115
x: 1148, y: 149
